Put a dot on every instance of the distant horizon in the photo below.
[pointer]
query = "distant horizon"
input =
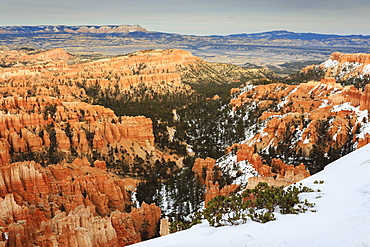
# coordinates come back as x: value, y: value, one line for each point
x: 159, y: 31
x: 194, y: 17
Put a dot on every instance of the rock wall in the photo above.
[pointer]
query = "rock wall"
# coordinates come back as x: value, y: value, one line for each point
x: 47, y: 73
x: 362, y: 58
x: 34, y: 125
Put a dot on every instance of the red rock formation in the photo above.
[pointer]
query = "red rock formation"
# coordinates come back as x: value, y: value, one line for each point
x: 138, y: 225
x: 286, y: 174
x: 351, y: 58
x: 203, y: 165
x: 254, y: 181
x: 136, y: 128
x: 70, y: 205
x: 289, y: 173
x: 81, y: 228
x: 54, y: 54
x: 4, y: 152
x: 63, y: 141
x: 330, y: 81
x: 205, y: 172
x: 338, y: 65
x: 364, y: 141
x: 365, y: 98
x: 212, y: 190
x: 100, y: 164
x: 244, y: 152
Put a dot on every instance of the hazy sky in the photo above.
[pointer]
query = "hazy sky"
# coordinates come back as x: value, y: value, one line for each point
x: 201, y: 17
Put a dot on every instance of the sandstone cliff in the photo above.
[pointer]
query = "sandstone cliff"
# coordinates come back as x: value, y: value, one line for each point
x: 159, y: 69
x: 70, y: 205
x: 345, y: 66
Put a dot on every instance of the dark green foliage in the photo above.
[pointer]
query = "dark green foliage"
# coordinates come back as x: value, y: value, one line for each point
x: 49, y: 109
x: 211, y: 89
x: 358, y: 82
x: 178, y: 189
x: 146, y: 191
x: 177, y: 225
x: 211, y: 126
x: 223, y: 210
x: 318, y: 181
x: 258, y: 204
x: 314, y: 74
x: 53, y: 154
x: 318, y: 158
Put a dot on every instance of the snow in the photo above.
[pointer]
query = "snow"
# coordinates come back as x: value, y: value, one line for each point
x: 306, y: 141
x: 325, y: 103
x: 362, y: 117
x: 335, y: 136
x: 330, y: 63
x: 229, y: 166
x: 342, y: 216
x: 366, y: 69
x: 344, y: 107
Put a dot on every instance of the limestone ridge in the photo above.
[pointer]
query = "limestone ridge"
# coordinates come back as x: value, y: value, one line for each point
x: 345, y: 66
x: 159, y: 69
x: 71, y: 29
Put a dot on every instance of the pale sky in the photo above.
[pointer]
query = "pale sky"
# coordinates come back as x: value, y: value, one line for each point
x: 199, y: 17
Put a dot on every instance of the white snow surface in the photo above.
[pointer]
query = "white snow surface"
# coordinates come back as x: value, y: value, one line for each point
x: 366, y: 69
x: 330, y: 63
x: 342, y: 217
x: 229, y: 166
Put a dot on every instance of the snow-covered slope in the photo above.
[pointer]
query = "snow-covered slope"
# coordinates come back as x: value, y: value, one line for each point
x: 342, y: 216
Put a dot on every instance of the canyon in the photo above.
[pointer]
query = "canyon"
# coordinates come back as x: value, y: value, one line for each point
x: 71, y: 159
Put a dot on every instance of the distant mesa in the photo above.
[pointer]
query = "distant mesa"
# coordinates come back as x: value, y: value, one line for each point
x: 71, y: 29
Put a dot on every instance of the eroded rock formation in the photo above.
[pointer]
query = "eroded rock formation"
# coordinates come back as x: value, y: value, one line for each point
x: 70, y: 205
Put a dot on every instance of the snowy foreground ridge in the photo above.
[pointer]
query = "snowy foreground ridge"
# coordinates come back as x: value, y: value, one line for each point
x: 342, y: 217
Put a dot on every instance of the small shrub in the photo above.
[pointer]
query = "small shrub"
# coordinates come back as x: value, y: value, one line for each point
x: 258, y: 204
x: 318, y: 181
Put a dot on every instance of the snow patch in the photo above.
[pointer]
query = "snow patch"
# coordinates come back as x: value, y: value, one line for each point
x: 345, y: 107
x: 306, y: 141
x: 325, y: 103
x: 240, y: 171
x: 366, y: 69
x: 330, y: 63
